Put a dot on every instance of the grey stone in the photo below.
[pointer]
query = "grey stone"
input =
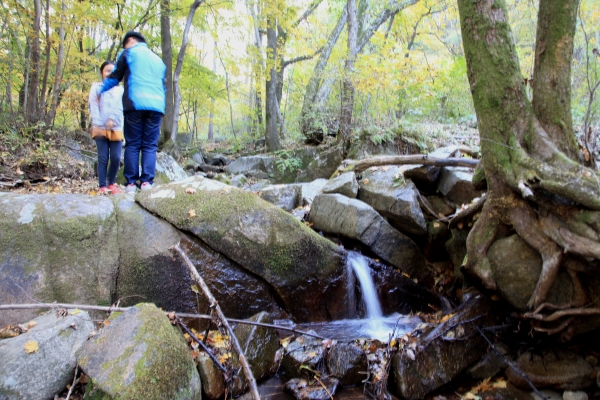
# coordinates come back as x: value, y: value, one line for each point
x: 197, y: 157
x: 337, y: 214
x: 305, y: 269
x: 440, y: 355
x: 426, y: 177
x: 184, y: 139
x: 216, y: 160
x: 489, y: 365
x: 570, y: 395
x: 395, y: 198
x: 239, y: 180
x: 548, y: 395
x: 140, y: 355
x: 47, y: 371
x: 191, y: 165
x: 303, y: 351
x: 302, y: 390
x: 552, y: 369
x: 211, y: 377
x: 167, y: 169
x: 310, y: 190
x: 243, y: 165
x: 323, y: 164
x: 516, y: 267
x: 345, y: 184
x: 60, y: 248
x: 283, y: 196
x: 456, y: 184
x: 348, y: 363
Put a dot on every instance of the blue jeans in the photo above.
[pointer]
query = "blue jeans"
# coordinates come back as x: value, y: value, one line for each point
x: 141, y: 130
x: 108, y: 150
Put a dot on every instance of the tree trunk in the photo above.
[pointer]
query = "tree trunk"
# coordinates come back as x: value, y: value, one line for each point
x: 272, y: 105
x: 180, y: 57
x: 348, y: 86
x: 211, y: 115
x: 59, y: 65
x: 167, y: 57
x: 525, y: 165
x: 42, y: 105
x: 31, y: 107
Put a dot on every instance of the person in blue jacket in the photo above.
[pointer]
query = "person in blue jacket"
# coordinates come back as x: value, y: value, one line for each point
x: 144, y: 103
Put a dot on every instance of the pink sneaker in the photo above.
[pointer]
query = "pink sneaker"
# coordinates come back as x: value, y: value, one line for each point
x: 146, y: 186
x: 131, y: 188
x: 104, y: 190
x: 114, y: 189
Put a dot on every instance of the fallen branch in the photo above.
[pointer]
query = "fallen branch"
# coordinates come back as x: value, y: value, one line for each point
x: 201, y: 343
x: 123, y: 309
x: 215, y: 306
x: 414, y: 159
x: 510, y: 364
x: 562, y: 313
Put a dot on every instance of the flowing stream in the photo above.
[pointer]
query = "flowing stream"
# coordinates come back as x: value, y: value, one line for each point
x: 374, y: 325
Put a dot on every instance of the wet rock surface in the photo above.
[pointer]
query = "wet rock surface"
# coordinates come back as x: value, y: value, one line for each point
x: 301, y: 389
x: 305, y: 269
x: 489, y: 365
x: 337, y: 214
x: 553, y: 368
x: 443, y: 352
x: 395, y: 198
x: 304, y: 351
x: 45, y: 372
x: 347, y: 362
x: 140, y: 355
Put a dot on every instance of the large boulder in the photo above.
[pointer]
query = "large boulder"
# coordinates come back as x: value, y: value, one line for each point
x: 305, y: 269
x: 552, y: 368
x: 46, y: 371
x: 310, y: 190
x: 322, y: 164
x: 443, y: 352
x: 140, y: 355
x: 338, y: 214
x: 149, y: 272
x: 395, y: 198
x: 304, y: 351
x: 426, y: 176
x: 61, y: 248
x: 347, y: 362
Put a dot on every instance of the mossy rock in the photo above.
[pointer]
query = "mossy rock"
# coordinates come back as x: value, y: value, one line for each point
x: 60, y: 248
x: 140, y: 355
x: 305, y: 269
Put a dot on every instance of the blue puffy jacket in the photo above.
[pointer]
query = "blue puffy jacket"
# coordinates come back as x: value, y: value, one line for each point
x: 144, y: 75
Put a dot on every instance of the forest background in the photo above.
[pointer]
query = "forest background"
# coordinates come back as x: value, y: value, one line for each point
x: 283, y: 70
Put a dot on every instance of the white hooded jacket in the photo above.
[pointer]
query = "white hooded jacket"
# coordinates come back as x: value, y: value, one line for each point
x: 108, y: 106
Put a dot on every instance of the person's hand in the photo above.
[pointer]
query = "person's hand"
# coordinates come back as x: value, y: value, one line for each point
x: 110, y: 124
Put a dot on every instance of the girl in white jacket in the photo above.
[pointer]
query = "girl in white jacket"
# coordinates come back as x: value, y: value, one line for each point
x: 107, y: 130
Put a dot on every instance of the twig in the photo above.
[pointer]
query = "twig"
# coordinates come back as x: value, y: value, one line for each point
x: 123, y: 309
x: 510, y: 363
x: 215, y: 305
x: 324, y: 387
x: 75, y: 381
x: 201, y: 343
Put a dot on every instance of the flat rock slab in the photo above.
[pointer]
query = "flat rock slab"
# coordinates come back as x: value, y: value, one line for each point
x: 397, y: 199
x: 443, y: 352
x: 47, y: 371
x: 352, y: 218
x: 56, y: 248
x: 456, y: 184
x: 283, y: 196
x: 140, y: 355
x: 303, y: 351
x: 167, y: 169
x: 553, y: 369
x: 348, y: 363
x: 305, y: 269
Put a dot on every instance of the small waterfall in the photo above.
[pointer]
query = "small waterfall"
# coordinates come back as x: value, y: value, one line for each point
x: 363, y: 273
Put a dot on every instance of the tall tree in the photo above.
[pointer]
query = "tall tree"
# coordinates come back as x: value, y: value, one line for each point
x: 348, y: 88
x: 319, y: 85
x: 537, y: 184
x: 272, y: 103
x: 31, y: 107
x: 167, y: 57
